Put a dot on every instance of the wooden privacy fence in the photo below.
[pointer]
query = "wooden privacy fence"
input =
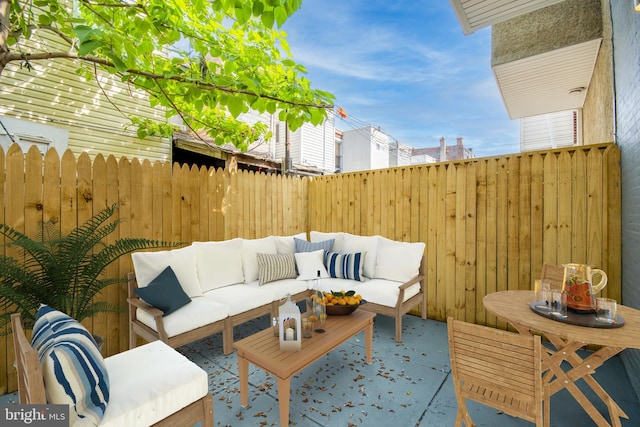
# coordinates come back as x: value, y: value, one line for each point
x: 488, y: 223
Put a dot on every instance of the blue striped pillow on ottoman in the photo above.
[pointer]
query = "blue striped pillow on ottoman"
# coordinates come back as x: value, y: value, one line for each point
x: 73, y: 368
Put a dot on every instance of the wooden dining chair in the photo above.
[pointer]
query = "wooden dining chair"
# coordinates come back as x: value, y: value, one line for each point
x: 499, y: 369
x: 554, y: 274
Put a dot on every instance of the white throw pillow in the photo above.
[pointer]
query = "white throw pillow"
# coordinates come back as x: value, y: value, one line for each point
x: 219, y: 263
x: 309, y: 263
x: 148, y: 265
x: 286, y: 245
x: 250, y: 248
x: 399, y: 261
x: 319, y: 236
x: 369, y: 244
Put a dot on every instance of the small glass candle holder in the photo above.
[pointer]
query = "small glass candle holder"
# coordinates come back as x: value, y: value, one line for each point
x: 307, y: 328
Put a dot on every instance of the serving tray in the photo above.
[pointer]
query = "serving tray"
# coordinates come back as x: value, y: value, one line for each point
x: 581, y: 319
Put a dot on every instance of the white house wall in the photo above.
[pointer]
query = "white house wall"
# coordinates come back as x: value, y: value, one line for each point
x: 318, y: 148
x: 52, y: 94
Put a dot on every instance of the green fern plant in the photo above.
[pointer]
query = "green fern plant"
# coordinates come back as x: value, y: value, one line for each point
x: 64, y: 272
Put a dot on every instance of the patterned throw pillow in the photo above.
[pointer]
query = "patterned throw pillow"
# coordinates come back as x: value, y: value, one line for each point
x: 273, y: 267
x: 73, y: 368
x: 345, y: 266
x: 304, y: 246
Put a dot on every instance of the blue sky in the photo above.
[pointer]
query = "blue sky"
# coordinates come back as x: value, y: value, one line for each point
x: 404, y: 66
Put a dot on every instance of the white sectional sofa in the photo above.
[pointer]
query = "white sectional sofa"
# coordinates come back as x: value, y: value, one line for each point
x: 212, y: 286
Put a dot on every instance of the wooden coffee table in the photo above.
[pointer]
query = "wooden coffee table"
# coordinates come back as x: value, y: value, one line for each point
x: 263, y: 350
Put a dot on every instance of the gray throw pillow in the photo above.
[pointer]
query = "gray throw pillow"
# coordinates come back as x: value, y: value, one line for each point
x: 273, y: 267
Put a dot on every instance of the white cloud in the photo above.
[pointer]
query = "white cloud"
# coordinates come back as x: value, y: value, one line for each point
x: 406, y: 67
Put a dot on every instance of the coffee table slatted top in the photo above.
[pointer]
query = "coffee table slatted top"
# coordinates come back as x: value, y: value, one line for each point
x: 263, y: 349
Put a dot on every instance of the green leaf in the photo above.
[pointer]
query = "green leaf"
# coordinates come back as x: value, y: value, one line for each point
x: 281, y: 15
x: 258, y: 8
x: 85, y: 32
x: 45, y: 20
x: 267, y: 19
x: 118, y: 63
x: 243, y: 14
x: 89, y: 46
x: 235, y: 106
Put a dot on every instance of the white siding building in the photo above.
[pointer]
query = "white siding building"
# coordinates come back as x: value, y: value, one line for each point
x: 309, y: 146
x: 364, y: 149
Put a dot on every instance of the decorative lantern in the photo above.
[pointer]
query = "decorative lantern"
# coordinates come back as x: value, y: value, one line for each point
x: 289, y: 326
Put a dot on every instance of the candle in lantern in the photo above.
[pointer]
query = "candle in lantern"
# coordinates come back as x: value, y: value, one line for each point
x: 289, y: 334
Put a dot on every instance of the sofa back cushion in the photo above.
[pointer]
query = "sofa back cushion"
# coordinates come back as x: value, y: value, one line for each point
x: 368, y: 245
x: 398, y: 261
x: 149, y: 265
x: 286, y: 245
x: 219, y: 263
x: 252, y: 247
x: 320, y: 236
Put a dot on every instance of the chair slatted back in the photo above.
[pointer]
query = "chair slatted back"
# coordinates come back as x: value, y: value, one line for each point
x: 553, y: 274
x: 497, y: 368
x: 30, y: 381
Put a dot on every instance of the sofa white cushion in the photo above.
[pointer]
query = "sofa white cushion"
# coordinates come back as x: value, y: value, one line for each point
x: 250, y: 248
x: 281, y: 288
x: 369, y: 244
x: 309, y: 264
x: 148, y: 265
x: 286, y: 245
x: 241, y: 298
x: 334, y: 284
x: 378, y: 291
x: 399, y: 261
x: 319, y: 236
x: 219, y: 263
x: 384, y: 292
x: 150, y: 382
x: 199, y: 312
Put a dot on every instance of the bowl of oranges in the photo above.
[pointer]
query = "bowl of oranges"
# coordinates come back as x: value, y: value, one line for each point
x: 342, y: 303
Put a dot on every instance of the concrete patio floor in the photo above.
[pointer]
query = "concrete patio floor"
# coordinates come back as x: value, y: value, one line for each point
x: 407, y: 384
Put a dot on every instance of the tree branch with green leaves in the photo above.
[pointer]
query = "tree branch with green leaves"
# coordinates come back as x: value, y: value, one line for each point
x: 204, y: 61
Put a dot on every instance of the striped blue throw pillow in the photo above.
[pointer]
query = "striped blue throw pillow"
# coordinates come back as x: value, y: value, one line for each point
x: 304, y: 246
x: 345, y: 266
x: 73, y: 368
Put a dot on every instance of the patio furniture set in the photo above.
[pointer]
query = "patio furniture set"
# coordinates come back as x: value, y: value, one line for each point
x: 512, y: 372
x: 231, y: 282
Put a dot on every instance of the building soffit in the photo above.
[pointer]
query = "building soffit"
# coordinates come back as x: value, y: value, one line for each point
x: 476, y: 14
x: 543, y: 52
